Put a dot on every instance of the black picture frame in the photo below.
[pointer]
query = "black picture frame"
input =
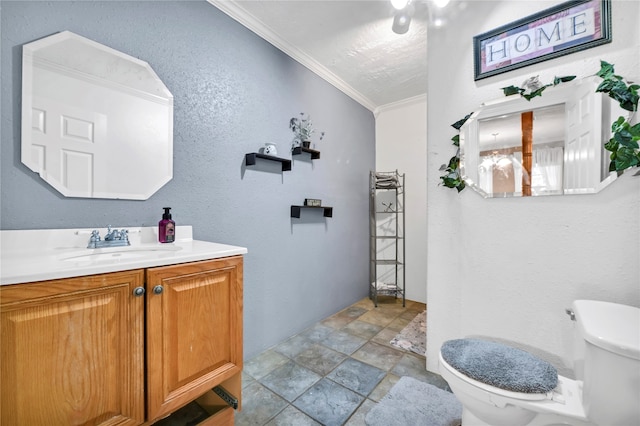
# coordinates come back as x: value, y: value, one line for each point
x: 561, y: 30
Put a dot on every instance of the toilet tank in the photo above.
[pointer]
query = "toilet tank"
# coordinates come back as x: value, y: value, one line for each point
x: 610, y: 333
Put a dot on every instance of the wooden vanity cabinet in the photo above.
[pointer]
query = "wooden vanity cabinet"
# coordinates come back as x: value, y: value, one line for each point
x: 89, y: 350
x: 72, y: 351
x: 194, y: 332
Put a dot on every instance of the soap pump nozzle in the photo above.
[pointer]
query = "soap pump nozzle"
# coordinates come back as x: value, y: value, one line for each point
x: 167, y: 213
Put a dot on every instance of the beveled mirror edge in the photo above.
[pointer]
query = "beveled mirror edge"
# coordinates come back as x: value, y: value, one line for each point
x: 161, y: 96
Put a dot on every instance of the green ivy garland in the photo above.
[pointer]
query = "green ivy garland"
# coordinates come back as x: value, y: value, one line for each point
x: 624, y: 144
x: 452, y: 178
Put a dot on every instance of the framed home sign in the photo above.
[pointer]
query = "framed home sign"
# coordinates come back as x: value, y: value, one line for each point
x: 560, y: 30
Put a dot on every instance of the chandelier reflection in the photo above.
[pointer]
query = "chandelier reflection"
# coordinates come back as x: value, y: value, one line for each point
x: 502, y: 174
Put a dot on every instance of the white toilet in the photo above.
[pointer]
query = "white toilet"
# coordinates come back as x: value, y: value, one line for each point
x: 606, y: 391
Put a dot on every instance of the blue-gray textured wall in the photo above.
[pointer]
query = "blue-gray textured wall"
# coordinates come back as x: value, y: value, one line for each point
x: 232, y: 93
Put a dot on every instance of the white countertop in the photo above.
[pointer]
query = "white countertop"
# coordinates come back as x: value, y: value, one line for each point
x: 46, y: 254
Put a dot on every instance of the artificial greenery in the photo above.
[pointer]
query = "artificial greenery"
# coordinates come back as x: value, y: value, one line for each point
x: 302, y: 129
x: 624, y: 148
x: 623, y: 145
x: 453, y: 179
x: 533, y: 88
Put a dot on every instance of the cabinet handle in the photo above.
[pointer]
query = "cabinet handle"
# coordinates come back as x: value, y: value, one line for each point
x: 138, y: 291
x: 158, y: 289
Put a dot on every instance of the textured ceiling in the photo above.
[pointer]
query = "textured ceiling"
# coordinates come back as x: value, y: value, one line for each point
x: 348, y: 43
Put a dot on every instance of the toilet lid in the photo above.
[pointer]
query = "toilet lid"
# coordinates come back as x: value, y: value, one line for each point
x: 500, y: 365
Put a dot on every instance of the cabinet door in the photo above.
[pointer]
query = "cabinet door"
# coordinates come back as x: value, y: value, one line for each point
x: 73, y: 351
x: 194, y: 331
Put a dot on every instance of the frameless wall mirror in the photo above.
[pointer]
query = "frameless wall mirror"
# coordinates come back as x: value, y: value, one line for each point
x: 96, y: 123
x: 550, y: 145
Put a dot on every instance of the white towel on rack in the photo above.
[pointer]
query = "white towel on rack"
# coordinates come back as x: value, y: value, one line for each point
x: 384, y: 286
x: 386, y: 181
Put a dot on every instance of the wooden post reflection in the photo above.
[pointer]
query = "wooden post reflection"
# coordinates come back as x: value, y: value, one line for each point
x: 527, y: 151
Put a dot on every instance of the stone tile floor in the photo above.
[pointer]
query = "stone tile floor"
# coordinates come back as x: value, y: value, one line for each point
x: 334, y: 372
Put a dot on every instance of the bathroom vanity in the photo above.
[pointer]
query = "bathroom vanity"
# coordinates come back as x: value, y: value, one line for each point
x: 118, y: 336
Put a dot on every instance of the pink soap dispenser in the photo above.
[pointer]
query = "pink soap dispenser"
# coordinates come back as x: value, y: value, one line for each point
x: 166, y: 227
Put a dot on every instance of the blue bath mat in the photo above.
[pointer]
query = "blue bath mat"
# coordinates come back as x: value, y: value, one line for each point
x: 412, y: 402
x: 500, y: 365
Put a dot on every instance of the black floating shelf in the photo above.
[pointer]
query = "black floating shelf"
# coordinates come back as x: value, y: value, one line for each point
x: 250, y: 160
x: 295, y: 210
x: 300, y: 149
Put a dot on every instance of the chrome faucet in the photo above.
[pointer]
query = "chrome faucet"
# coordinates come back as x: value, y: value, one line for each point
x: 114, y: 238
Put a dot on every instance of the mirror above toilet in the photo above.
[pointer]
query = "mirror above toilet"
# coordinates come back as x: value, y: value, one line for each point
x: 96, y: 123
x: 569, y: 123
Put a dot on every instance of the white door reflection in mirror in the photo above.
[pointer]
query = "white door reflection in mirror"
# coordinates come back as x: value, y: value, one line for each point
x: 569, y: 125
x: 96, y: 123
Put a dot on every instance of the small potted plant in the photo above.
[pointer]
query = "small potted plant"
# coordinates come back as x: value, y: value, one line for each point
x: 302, y: 129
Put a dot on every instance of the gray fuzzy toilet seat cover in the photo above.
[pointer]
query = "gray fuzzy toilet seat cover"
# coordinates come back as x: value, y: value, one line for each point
x: 500, y: 365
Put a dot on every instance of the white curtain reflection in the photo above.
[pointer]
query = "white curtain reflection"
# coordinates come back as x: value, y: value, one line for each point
x: 546, y: 172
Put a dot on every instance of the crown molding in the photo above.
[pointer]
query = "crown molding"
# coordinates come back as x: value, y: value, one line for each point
x: 239, y: 14
x: 400, y: 104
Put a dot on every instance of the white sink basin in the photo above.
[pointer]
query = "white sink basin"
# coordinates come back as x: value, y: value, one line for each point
x: 31, y: 255
x: 120, y: 253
